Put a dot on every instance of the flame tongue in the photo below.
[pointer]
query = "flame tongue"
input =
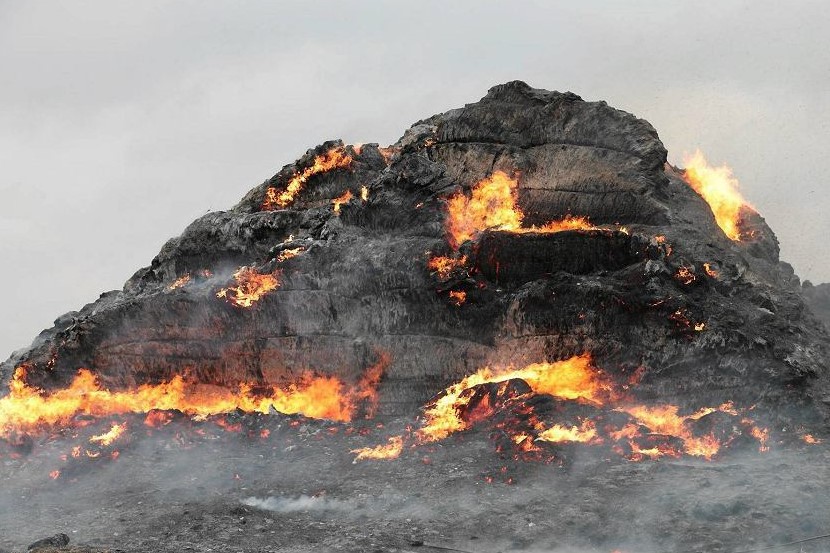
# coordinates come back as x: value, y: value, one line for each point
x: 391, y: 450
x: 569, y: 379
x: 558, y: 433
x: 333, y: 159
x: 325, y: 397
x: 719, y: 188
x: 109, y: 437
x: 493, y: 205
x: 250, y: 287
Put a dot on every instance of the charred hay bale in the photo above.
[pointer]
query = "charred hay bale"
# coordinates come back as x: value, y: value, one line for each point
x: 511, y: 258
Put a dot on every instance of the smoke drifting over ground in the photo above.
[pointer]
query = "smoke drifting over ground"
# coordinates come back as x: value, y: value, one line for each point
x: 296, y: 490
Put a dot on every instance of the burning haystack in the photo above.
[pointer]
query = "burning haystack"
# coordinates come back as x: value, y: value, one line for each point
x: 530, y: 263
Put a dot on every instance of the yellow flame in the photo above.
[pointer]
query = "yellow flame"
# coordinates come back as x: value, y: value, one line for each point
x: 719, y: 188
x: 26, y: 408
x: 391, y: 450
x: 493, y: 205
x: 250, y: 287
x: 333, y: 159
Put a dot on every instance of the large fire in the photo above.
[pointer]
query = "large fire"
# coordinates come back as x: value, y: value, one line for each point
x: 642, y: 432
x: 28, y: 409
x: 569, y: 379
x: 719, y: 188
x: 333, y: 159
x: 492, y: 204
x: 250, y: 287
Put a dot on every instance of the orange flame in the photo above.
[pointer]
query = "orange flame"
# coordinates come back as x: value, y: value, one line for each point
x: 443, y: 266
x: 572, y: 379
x: 810, y: 439
x: 569, y: 379
x: 664, y: 419
x: 333, y: 159
x: 107, y: 438
x: 391, y: 450
x: 713, y: 273
x: 250, y: 287
x: 289, y: 253
x: 568, y: 223
x: 27, y: 408
x: 719, y: 188
x: 685, y: 275
x: 179, y: 282
x: 493, y: 205
x: 458, y: 297
x: 760, y: 434
x: 585, y: 433
x: 340, y: 200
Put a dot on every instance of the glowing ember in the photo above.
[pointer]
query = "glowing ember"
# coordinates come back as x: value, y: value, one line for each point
x: 340, y: 200
x: 492, y: 205
x: 333, y: 159
x: 810, y: 439
x: 27, y: 409
x: 661, y: 241
x: 685, y: 275
x: 289, y: 253
x: 55, y: 474
x: 364, y: 193
x: 719, y: 189
x: 760, y: 434
x: 109, y: 437
x: 458, y: 297
x: 388, y: 152
x: 391, y: 450
x: 444, y: 266
x: 179, y: 282
x: 250, y: 287
x: 707, y: 267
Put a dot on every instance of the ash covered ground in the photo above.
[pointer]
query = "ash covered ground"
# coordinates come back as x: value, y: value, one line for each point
x: 299, y: 490
x: 517, y: 328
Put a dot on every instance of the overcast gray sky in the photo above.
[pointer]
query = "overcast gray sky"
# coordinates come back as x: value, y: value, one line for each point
x: 122, y: 121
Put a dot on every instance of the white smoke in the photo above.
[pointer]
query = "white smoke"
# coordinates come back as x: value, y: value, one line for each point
x: 303, y: 503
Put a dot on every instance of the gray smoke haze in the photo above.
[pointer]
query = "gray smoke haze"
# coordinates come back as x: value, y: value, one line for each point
x: 120, y: 122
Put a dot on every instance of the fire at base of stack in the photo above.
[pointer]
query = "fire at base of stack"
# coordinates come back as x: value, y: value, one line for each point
x: 516, y: 328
